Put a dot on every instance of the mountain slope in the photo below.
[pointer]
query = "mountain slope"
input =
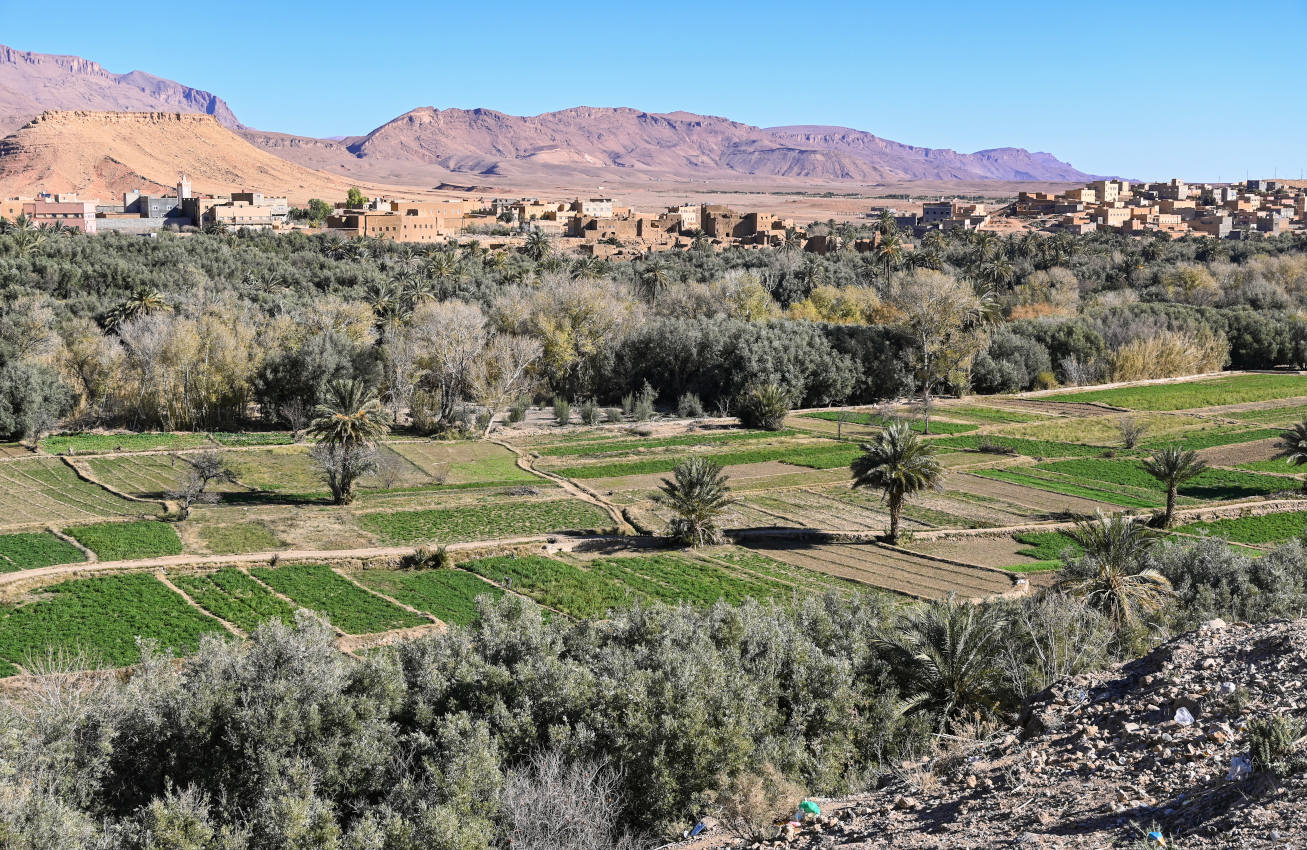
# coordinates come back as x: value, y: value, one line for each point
x: 32, y: 83
x: 102, y: 154
x: 591, y: 140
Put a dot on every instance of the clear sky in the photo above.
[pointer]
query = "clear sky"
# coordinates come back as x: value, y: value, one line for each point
x: 1203, y: 90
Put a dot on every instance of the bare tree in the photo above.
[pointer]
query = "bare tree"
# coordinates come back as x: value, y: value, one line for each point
x: 450, y: 338
x: 340, y: 465
x: 501, y: 374
x: 205, y: 469
x: 554, y: 804
x: 389, y: 468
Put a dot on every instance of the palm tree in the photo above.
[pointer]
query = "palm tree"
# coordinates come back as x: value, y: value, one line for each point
x: 348, y: 424
x: 1292, y: 446
x: 351, y: 413
x: 142, y: 302
x: 537, y: 245
x: 943, y: 655
x: 899, y: 464
x: 653, y: 279
x: 1108, y: 577
x: 587, y: 268
x: 1173, y: 467
x: 698, y: 493
x: 889, y: 252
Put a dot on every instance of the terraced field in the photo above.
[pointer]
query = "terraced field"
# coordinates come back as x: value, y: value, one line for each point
x: 46, y: 490
x: 892, y: 569
x: 350, y: 608
x: 1188, y: 395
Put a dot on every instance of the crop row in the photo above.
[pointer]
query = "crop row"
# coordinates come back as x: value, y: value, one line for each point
x: 1053, y: 483
x: 350, y: 608
x: 45, y: 489
x: 37, y: 549
x: 937, y: 426
x: 235, y: 597
x: 813, y: 456
x: 484, y: 522
x: 1211, y: 438
x: 702, y: 438
x: 1021, y: 446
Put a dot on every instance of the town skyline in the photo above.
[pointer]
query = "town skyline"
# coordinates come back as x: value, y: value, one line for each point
x: 1052, y: 84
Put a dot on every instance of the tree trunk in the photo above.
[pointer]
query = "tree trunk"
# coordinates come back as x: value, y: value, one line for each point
x: 895, y: 507
x: 1170, y: 507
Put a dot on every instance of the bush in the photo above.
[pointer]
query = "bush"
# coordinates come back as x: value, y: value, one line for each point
x: 764, y: 407
x: 562, y: 411
x: 1132, y: 431
x: 517, y: 411
x: 613, y: 414
x: 628, y: 404
x: 688, y: 406
x: 643, y: 409
x: 1273, y: 745
x: 749, y: 804
x: 590, y: 412
x: 426, y: 558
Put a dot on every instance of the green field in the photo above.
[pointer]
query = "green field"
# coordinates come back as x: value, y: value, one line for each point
x: 235, y: 597
x: 1055, y: 483
x: 484, y: 522
x: 591, y: 588
x: 350, y: 608
x: 828, y: 455
x: 1047, y: 545
x: 100, y: 443
x: 937, y: 426
x: 126, y: 541
x: 1281, y: 416
x: 102, y: 616
x: 988, y: 415
x: 1021, y: 446
x: 463, y: 462
x: 36, y: 549
x: 706, y: 439
x: 449, y: 595
x: 1212, y: 484
x: 253, y: 438
x: 1212, y: 438
x: 1186, y: 395
x: 239, y: 537
x: 1271, y: 528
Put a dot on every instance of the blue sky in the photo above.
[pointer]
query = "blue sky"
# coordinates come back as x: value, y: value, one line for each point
x: 1200, y: 90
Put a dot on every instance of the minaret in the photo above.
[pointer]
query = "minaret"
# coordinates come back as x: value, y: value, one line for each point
x: 183, y: 188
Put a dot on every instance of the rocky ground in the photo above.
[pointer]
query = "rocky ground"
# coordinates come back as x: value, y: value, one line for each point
x: 1101, y: 760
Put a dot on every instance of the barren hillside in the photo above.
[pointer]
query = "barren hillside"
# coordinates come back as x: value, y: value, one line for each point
x: 624, y: 144
x: 1158, y: 744
x: 102, y: 154
x: 32, y: 83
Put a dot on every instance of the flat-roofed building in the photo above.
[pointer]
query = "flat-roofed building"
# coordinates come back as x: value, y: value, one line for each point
x: 65, y: 211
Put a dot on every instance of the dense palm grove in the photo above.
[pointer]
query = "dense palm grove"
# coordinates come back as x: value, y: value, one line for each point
x: 208, y: 330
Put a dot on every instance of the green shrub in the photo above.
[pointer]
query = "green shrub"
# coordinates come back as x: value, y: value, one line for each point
x: 764, y: 407
x: 688, y: 406
x: 590, y: 412
x: 426, y: 558
x: 517, y: 411
x: 562, y: 411
x: 1273, y: 745
x: 613, y: 414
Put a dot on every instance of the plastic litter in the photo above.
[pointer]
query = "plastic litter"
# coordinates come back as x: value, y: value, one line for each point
x: 698, y: 829
x: 1227, y: 688
x: 1183, y: 717
x: 1240, y: 766
x: 1156, y: 839
x: 810, y: 808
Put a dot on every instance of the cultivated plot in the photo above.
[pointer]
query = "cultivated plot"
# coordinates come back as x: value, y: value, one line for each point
x: 46, y: 490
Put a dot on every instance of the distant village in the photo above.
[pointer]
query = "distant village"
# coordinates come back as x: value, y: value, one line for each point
x: 601, y: 228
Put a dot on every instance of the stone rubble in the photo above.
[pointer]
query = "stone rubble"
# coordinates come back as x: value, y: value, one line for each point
x: 1100, y: 760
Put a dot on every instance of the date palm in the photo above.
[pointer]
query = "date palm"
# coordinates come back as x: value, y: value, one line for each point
x: 698, y: 493
x: 1109, y: 576
x: 351, y: 414
x: 944, y: 655
x: 1292, y: 446
x: 537, y: 245
x: 899, y: 464
x: 1173, y: 467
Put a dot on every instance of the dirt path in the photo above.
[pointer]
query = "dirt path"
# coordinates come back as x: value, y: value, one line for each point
x: 162, y: 577
x: 579, y: 491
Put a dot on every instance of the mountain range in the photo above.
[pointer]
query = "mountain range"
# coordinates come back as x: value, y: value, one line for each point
x: 426, y: 145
